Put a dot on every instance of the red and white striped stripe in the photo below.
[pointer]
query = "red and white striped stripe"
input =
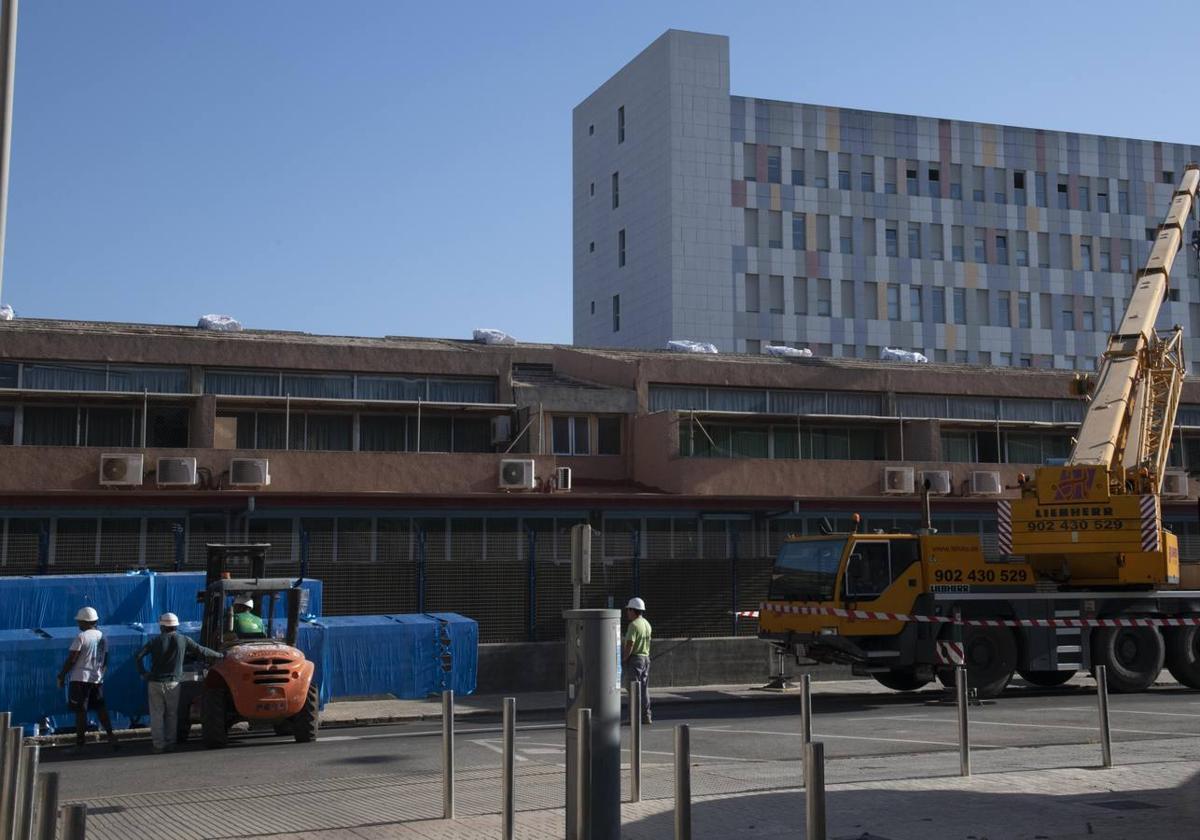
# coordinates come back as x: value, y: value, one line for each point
x: 950, y: 653
x: 869, y: 615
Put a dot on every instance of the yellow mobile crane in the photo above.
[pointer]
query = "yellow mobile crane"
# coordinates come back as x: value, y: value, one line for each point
x: 1088, y: 568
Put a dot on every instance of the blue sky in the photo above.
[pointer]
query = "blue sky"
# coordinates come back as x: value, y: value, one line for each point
x: 389, y: 168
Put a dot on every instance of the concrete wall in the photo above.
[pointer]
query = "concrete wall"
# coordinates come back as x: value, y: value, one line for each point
x: 540, y: 666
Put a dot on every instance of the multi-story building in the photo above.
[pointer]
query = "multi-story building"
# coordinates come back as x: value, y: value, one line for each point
x: 390, y: 476
x: 746, y: 222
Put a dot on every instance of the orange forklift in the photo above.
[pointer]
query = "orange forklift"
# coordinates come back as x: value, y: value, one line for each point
x: 263, y: 677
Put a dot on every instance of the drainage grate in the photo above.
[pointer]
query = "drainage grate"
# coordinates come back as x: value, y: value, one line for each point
x: 1125, y: 805
x: 864, y: 836
x: 106, y: 809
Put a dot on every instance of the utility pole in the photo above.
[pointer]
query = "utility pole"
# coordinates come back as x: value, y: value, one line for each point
x: 8, y: 66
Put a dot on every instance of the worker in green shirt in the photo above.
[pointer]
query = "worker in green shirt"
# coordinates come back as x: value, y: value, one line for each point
x: 246, y: 624
x: 635, y: 653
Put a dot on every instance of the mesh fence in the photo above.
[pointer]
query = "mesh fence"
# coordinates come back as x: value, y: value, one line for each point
x: 511, y: 574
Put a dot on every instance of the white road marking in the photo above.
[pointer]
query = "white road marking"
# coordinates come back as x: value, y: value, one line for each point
x: 978, y: 722
x: 498, y: 748
x: 844, y: 737
x: 481, y: 731
x: 1129, y: 711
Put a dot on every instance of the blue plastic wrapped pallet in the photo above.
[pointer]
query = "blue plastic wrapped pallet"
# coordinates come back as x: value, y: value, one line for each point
x: 142, y: 596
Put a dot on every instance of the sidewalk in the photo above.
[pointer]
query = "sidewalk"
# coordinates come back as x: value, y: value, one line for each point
x: 1042, y: 793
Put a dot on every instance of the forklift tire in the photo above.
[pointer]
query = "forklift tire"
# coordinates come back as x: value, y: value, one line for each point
x: 1183, y: 655
x: 283, y: 727
x: 1046, y: 679
x: 214, y: 717
x: 990, y: 654
x: 901, y: 679
x: 1133, y: 656
x: 307, y: 721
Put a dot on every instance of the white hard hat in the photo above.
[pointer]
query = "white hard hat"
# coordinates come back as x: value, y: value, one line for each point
x: 168, y: 620
x: 244, y: 601
x: 636, y: 604
x: 87, y: 614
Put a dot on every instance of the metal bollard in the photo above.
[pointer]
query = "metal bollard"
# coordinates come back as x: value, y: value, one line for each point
x: 74, y: 822
x: 814, y: 791
x: 5, y: 723
x: 805, y: 723
x: 8, y: 796
x: 448, y: 755
x: 26, y: 781
x: 635, y: 741
x: 964, y: 737
x: 583, y: 776
x: 47, y: 807
x: 683, y: 783
x: 1102, y: 698
x: 508, y: 797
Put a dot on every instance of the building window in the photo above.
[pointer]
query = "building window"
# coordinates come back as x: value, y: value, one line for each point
x: 1019, y: 188
x: 960, y: 306
x: 1123, y: 197
x: 868, y: 238
x: 1066, y: 320
x: 608, y: 435
x: 1064, y: 197
x: 621, y: 248
x: 1085, y: 195
x: 956, y: 243
x: 1126, y: 255
x: 749, y: 162
x: 848, y: 303
x: 871, y: 301
x: 774, y: 164
x: 1022, y: 248
x: 591, y: 130
x: 867, y: 176
x: 1085, y: 253
x: 911, y: 185
x: 846, y: 235
x: 753, y: 346
x: 591, y: 247
x: 752, y: 293
x: 821, y: 165
x: 1105, y: 255
x: 1168, y: 177
x: 914, y: 240
x: 822, y: 232
x: 889, y: 176
x: 1106, y: 315
x: 843, y: 171
x: 1039, y: 186
x: 1089, y: 316
x: 799, y: 296
x: 775, y: 229
x: 999, y: 191
x: 1102, y: 195
x: 616, y: 190
x: 570, y: 435
x: 799, y: 233
x: 1024, y: 319
x: 7, y: 425
x: 1044, y: 311
x: 893, y: 302
x: 593, y: 307
x: 824, y: 298
x: 1003, y: 309
x: 935, y: 182
x: 978, y: 189
x: 621, y: 124
x: 891, y: 240
x: 914, y: 303
x: 956, y: 181
x: 1002, y: 249
x: 937, y: 303
x: 980, y: 246
x: 775, y: 293
x: 592, y: 190
x: 616, y: 313
x: 750, y: 215
x: 936, y: 233
x: 797, y: 167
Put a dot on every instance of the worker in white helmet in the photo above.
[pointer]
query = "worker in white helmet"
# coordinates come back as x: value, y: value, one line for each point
x: 246, y: 624
x: 167, y: 651
x: 636, y: 653
x: 86, y: 662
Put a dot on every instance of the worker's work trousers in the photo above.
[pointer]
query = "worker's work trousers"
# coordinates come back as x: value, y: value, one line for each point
x: 164, y: 712
x: 637, y: 671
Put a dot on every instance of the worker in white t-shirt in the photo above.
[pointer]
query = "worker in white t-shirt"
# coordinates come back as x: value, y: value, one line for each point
x: 85, y: 665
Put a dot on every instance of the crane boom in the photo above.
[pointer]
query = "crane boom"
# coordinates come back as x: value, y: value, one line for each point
x: 1097, y: 519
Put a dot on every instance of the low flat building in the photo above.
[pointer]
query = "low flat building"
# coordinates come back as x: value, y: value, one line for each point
x: 415, y: 474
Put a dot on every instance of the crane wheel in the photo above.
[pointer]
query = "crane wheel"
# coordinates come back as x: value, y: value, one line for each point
x: 901, y: 679
x: 990, y: 654
x: 1183, y: 655
x: 1133, y: 656
x: 307, y: 721
x: 214, y: 717
x: 1046, y: 679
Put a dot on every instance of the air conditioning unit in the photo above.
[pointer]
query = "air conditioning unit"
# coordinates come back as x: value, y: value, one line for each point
x: 562, y: 478
x: 897, y: 480
x: 121, y: 470
x: 501, y: 429
x: 249, y: 472
x: 176, y: 472
x: 516, y: 474
x: 939, y: 481
x: 1175, y: 483
x: 986, y: 483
